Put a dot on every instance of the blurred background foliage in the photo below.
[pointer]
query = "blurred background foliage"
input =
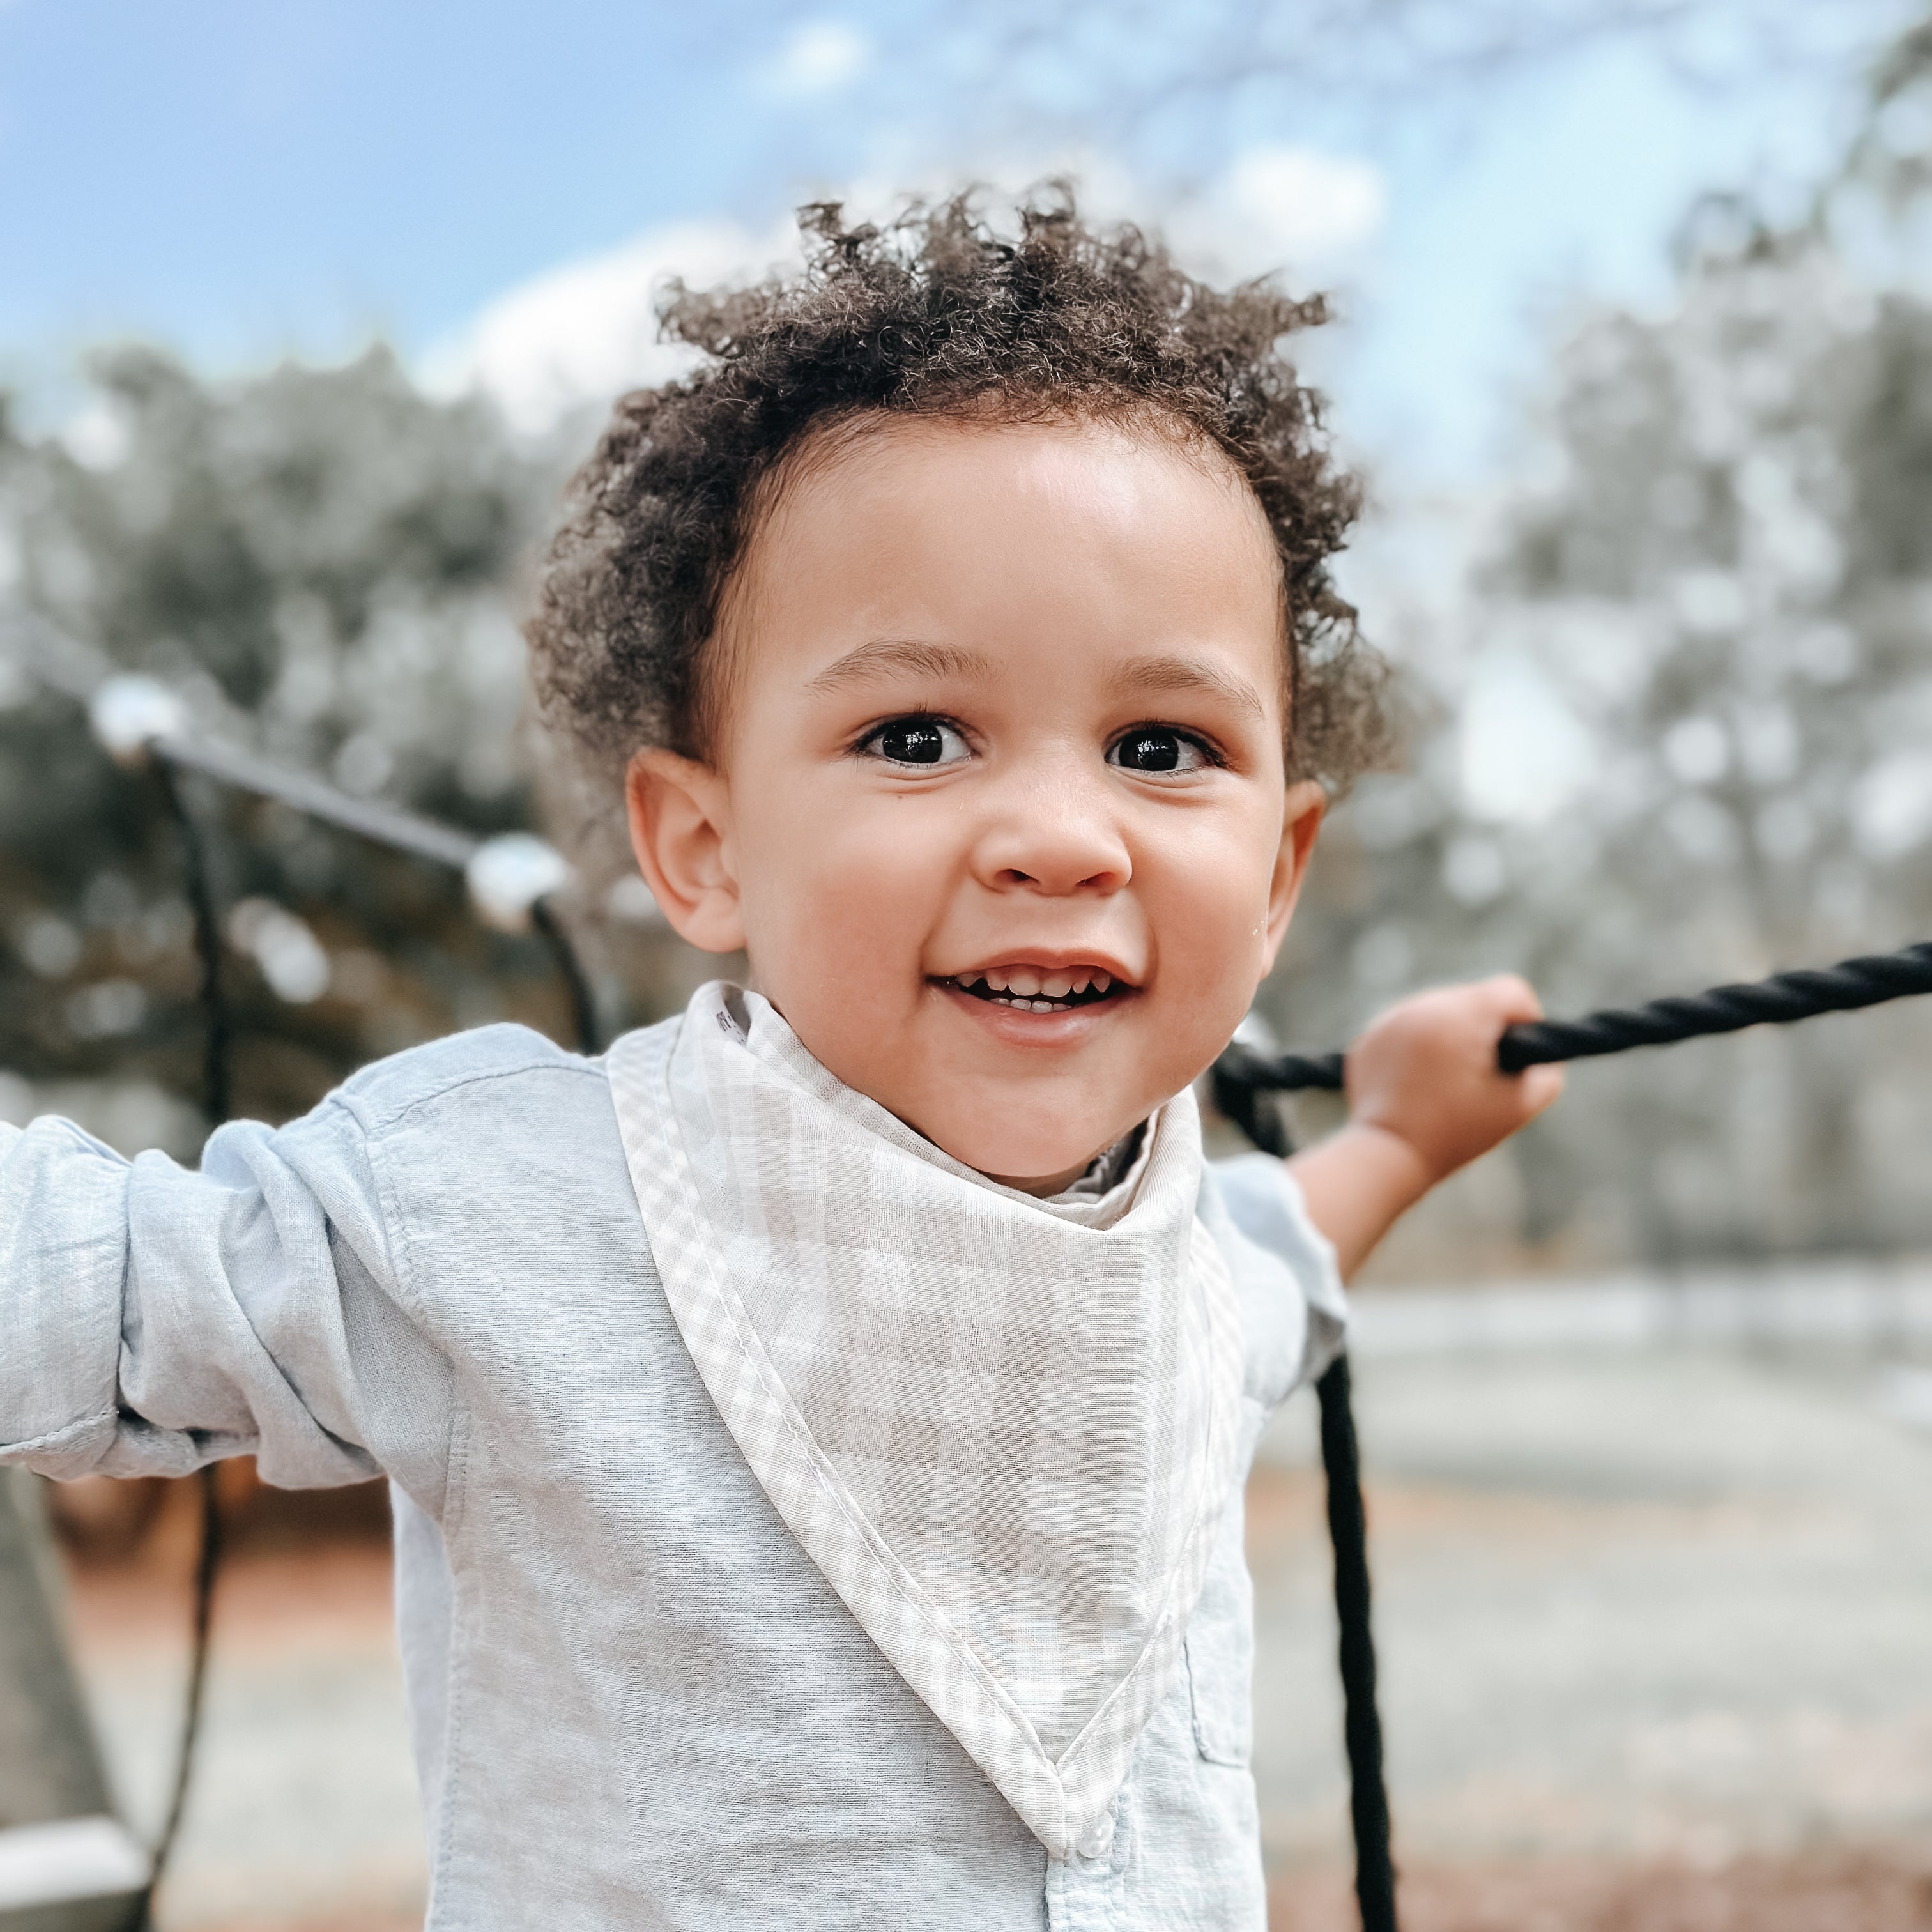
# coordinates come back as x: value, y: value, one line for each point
x: 1714, y: 613
x: 1709, y: 614
x: 324, y: 563
x: 1704, y: 609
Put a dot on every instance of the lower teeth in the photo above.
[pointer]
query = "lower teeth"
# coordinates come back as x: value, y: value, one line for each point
x: 1020, y: 1003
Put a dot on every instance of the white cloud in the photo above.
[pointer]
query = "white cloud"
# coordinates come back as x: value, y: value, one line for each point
x: 580, y: 334
x: 820, y: 57
x: 1276, y: 207
x: 584, y: 333
x: 1273, y: 207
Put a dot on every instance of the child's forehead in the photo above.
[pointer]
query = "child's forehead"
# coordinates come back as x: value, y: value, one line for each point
x: 935, y: 485
x: 862, y: 446
x: 968, y: 546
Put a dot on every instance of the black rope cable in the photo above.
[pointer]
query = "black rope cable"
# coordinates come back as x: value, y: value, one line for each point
x: 214, y: 1079
x: 1361, y: 1722
x: 1239, y: 1079
x: 208, y: 1562
x: 1239, y: 1100
x: 216, y: 1091
x: 1869, y: 980
x: 570, y: 969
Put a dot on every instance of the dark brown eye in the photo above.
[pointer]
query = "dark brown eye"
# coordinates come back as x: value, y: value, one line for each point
x: 1155, y: 748
x: 917, y: 741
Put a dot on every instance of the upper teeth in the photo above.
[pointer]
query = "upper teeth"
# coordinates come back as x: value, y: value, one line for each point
x: 1024, y: 983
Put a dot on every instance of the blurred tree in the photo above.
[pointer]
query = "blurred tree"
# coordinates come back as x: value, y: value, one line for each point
x: 1738, y: 554
x: 1192, y: 82
x: 322, y: 562
x: 1719, y: 605
x: 1892, y: 152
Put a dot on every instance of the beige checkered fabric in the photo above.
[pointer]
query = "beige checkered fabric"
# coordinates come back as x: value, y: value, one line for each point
x: 1004, y: 1428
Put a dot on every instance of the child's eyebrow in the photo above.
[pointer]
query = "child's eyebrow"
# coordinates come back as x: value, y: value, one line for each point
x: 1177, y: 673
x: 884, y: 656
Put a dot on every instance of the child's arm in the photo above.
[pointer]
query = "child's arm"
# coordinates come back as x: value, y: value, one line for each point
x: 153, y: 1318
x: 1424, y: 1099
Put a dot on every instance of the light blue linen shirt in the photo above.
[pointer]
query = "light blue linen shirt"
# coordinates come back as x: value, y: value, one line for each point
x: 635, y: 1702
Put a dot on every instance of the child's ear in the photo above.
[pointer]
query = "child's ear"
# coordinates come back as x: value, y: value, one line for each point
x: 1301, y: 814
x: 680, y: 830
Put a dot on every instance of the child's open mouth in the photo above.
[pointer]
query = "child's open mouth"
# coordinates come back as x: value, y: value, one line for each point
x: 1031, y: 991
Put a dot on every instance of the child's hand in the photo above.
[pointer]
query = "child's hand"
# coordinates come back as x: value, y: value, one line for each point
x: 1426, y: 1071
x: 1425, y: 1097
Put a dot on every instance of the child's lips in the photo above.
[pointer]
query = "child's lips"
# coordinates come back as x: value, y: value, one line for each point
x: 1042, y: 982
x: 1041, y: 1009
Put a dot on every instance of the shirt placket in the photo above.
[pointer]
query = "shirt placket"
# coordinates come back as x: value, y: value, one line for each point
x: 1087, y: 1892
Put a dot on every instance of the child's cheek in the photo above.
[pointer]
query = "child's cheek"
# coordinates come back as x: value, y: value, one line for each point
x: 846, y: 896
x: 1206, y: 896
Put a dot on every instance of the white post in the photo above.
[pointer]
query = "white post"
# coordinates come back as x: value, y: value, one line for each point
x: 66, y: 1864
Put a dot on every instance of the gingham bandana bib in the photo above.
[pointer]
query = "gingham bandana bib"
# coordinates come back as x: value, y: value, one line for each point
x: 1004, y: 1428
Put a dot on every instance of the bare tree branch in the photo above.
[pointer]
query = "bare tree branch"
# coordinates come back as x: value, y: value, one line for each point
x: 1106, y: 69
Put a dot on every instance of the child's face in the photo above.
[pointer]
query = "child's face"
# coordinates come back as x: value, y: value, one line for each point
x: 1003, y: 711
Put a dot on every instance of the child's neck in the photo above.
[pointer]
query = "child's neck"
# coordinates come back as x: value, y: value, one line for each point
x: 1113, y: 1162
x: 1046, y: 1186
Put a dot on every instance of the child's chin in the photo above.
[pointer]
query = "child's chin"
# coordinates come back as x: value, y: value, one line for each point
x: 1060, y: 1156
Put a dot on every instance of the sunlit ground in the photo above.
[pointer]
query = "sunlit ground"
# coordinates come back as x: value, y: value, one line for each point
x: 304, y: 1811
x: 1655, y: 1628
x: 1654, y: 1631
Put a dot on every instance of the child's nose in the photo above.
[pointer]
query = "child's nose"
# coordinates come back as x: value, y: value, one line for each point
x: 1055, y: 838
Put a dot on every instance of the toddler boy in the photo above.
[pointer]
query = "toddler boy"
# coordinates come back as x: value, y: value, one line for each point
x: 817, y: 1430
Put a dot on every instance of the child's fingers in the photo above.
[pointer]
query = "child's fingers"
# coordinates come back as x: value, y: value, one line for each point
x: 1541, y: 1087
x: 1516, y: 1004
x: 1514, y: 998
x: 1427, y: 1071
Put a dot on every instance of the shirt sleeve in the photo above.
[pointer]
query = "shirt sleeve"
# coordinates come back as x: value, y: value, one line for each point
x: 154, y: 1317
x: 1297, y: 1312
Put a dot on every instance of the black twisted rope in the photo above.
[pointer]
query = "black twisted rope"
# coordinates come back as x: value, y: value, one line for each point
x: 1241, y: 1074
x: 1868, y: 981
x: 1238, y: 1093
x: 215, y: 1095
x: 1240, y: 1078
x: 1361, y: 1722
x: 545, y: 922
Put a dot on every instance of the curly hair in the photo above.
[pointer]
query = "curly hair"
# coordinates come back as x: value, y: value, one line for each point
x: 934, y: 316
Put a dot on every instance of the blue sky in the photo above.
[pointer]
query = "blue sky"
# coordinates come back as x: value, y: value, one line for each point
x: 242, y: 181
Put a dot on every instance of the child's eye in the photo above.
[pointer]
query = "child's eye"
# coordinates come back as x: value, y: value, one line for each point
x: 917, y: 741
x: 1159, y: 748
